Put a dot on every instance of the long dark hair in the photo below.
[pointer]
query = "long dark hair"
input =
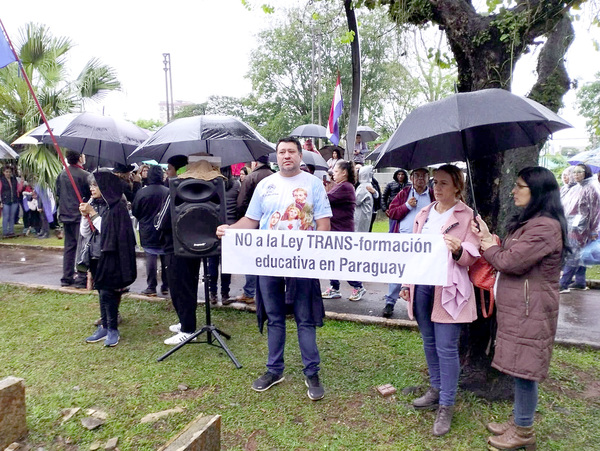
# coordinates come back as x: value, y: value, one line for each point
x: 545, y: 201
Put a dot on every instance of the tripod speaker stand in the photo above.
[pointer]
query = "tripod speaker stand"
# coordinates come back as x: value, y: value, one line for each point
x: 197, y: 208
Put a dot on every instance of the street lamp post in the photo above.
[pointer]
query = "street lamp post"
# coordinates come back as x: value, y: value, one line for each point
x: 167, y: 63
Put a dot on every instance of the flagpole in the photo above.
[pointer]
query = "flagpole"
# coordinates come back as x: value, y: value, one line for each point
x: 37, y: 103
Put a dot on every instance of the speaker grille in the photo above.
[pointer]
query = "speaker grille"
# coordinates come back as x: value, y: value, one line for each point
x: 195, y: 228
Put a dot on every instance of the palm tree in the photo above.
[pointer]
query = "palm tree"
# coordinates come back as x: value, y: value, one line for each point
x: 44, y: 57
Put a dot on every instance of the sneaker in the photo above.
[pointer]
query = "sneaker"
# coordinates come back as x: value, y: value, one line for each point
x: 357, y: 294
x: 164, y: 291
x: 214, y: 299
x: 388, y: 310
x: 227, y: 300
x: 266, y: 381
x: 175, y: 328
x: 564, y: 290
x: 244, y: 298
x: 97, y: 336
x: 148, y: 292
x: 331, y: 293
x: 112, y: 338
x: 178, y: 338
x: 315, y: 388
x: 429, y: 400
x: 224, y: 298
x: 579, y: 287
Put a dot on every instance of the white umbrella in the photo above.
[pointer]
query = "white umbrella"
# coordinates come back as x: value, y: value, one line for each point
x: 310, y: 131
x: 367, y: 134
x: 6, y: 153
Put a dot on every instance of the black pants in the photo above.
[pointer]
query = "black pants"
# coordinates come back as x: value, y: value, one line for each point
x: 151, y: 265
x: 109, y: 302
x: 183, y: 275
x: 213, y: 276
x: 71, y: 230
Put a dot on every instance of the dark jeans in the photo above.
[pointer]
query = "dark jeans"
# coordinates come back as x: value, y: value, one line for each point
x: 184, y: 274
x: 273, y: 293
x: 213, y: 276
x: 569, y: 272
x: 440, y: 342
x: 526, y: 396
x: 71, y: 232
x: 250, y: 285
x: 109, y: 302
x: 151, y: 266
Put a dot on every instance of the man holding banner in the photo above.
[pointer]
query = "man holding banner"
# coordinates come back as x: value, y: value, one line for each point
x: 276, y: 296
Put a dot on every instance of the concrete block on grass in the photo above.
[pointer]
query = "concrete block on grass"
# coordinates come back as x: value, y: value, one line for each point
x: 13, y: 414
x: 202, y: 434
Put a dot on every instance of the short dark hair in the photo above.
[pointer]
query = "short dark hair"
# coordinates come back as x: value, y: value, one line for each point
x: 348, y: 166
x: 289, y: 139
x: 72, y: 156
x: 587, y: 169
x: 545, y: 201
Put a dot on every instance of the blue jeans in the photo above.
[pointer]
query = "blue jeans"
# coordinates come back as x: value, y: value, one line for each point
x: 250, y: 286
x: 8, y: 218
x: 526, y: 396
x: 569, y: 272
x: 440, y: 342
x: 272, y: 291
x: 393, y: 292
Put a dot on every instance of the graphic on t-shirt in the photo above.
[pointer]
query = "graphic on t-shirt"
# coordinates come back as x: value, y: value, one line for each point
x: 305, y: 210
x: 274, y: 220
x: 290, y: 219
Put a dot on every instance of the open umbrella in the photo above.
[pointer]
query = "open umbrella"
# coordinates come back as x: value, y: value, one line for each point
x: 367, y: 134
x: 311, y: 158
x: 468, y: 126
x: 589, y: 157
x: 310, y: 131
x: 6, y: 153
x: 222, y: 136
x: 93, y: 135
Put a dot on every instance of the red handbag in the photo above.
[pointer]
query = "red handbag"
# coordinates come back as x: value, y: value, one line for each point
x: 483, y: 276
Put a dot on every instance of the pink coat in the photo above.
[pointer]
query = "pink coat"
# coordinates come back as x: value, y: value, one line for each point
x: 460, y: 223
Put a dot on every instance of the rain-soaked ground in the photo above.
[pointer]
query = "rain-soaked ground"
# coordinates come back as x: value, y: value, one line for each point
x: 578, y: 322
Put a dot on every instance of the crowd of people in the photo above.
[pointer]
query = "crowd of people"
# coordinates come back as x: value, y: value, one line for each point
x: 545, y: 238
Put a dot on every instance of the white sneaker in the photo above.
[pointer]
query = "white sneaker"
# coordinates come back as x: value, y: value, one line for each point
x: 177, y: 339
x: 331, y: 293
x: 175, y: 328
x: 357, y: 294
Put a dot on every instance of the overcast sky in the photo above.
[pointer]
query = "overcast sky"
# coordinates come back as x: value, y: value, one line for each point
x: 209, y: 42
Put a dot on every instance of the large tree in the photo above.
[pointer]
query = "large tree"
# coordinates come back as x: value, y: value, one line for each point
x: 44, y: 59
x: 588, y: 99
x: 281, y: 70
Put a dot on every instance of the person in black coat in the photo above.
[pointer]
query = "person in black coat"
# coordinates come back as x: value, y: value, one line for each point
x: 112, y: 250
x: 69, y: 215
x: 146, y: 206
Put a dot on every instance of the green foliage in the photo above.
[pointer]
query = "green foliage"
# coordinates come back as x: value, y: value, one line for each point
x: 40, y: 164
x: 196, y: 109
x: 149, y: 124
x: 588, y: 100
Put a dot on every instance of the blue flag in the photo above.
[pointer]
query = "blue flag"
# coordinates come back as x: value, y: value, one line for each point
x: 6, y: 54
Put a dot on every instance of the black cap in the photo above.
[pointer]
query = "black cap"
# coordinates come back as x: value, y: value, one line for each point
x: 178, y: 161
x: 264, y: 159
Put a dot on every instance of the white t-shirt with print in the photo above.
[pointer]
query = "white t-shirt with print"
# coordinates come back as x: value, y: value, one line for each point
x: 289, y: 203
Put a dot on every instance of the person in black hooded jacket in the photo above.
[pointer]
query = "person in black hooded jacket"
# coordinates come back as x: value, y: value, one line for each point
x: 399, y: 182
x: 146, y: 206
x: 112, y: 249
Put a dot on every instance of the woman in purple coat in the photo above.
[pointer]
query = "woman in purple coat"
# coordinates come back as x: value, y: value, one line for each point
x: 529, y: 262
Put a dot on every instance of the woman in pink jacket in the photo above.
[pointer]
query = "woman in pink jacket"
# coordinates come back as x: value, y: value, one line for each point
x: 441, y: 311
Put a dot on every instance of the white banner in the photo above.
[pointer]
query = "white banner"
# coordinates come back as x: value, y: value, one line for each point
x: 364, y: 257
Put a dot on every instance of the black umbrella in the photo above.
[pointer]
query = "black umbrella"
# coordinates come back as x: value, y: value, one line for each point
x: 222, y: 136
x: 93, y: 135
x: 468, y: 126
x: 308, y: 157
x: 310, y: 131
x: 366, y: 133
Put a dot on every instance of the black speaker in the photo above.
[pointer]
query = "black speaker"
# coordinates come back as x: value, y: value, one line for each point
x: 197, y: 209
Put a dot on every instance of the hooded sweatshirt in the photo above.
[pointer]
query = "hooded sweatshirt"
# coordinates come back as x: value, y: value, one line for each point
x: 146, y: 206
x: 116, y: 266
x: 364, y: 200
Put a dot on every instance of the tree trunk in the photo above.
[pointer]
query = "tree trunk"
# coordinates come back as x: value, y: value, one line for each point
x: 355, y: 105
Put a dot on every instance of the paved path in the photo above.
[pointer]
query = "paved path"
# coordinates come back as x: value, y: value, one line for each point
x: 578, y: 323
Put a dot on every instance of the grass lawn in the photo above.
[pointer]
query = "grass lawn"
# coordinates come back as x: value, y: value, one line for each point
x: 42, y: 335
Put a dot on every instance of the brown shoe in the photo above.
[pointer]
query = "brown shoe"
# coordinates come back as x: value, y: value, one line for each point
x: 214, y: 299
x: 244, y: 298
x: 500, y: 428
x: 429, y: 400
x: 516, y: 437
x: 443, y: 420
